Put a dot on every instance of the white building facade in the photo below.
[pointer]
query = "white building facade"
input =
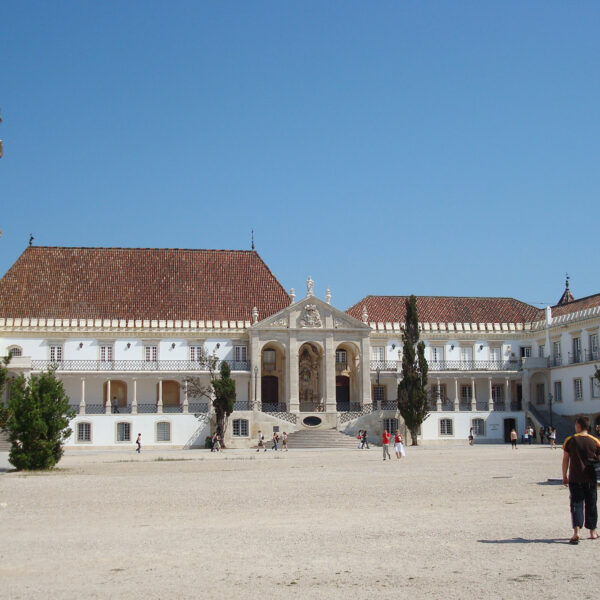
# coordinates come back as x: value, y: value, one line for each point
x: 134, y: 333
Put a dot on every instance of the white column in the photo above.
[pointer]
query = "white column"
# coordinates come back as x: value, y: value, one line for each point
x: 82, y: 400
x: 507, y: 399
x: 159, y: 404
x: 185, y: 397
x: 365, y: 370
x: 438, y: 399
x: 292, y: 375
x: 328, y: 361
x: 256, y: 366
x: 491, y: 400
x: 473, y: 395
x: 456, y: 399
x: 107, y: 404
x: 134, y: 399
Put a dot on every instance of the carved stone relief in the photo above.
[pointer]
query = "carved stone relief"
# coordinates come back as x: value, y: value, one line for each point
x: 310, y: 317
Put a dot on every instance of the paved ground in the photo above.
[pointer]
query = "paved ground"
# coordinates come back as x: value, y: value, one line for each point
x: 454, y: 522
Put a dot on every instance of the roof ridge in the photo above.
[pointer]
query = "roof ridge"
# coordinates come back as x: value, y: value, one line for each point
x: 137, y: 248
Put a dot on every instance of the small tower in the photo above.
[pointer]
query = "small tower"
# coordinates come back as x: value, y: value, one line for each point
x: 254, y: 316
x: 567, y: 296
x: 292, y: 295
x: 365, y: 315
x: 328, y: 296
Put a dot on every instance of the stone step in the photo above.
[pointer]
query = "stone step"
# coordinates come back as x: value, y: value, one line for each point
x: 321, y: 438
x: 4, y: 443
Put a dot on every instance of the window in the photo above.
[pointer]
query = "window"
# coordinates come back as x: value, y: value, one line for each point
x: 525, y: 351
x: 378, y: 353
x: 577, y: 349
x: 478, y: 427
x: 123, y: 432
x: 15, y: 351
x: 437, y: 354
x: 595, y: 387
x: 390, y: 424
x: 269, y: 357
x: 163, y: 431
x: 556, y: 350
x: 594, y: 346
x: 56, y: 353
x: 441, y: 390
x: 240, y: 428
x: 498, y: 393
x: 540, y: 393
x: 106, y: 353
x: 446, y: 427
x: 240, y: 354
x: 150, y: 353
x: 558, y: 391
x: 196, y: 353
x: 379, y: 393
x: 341, y: 356
x: 466, y: 393
x: 496, y: 354
x: 84, y: 432
x: 541, y: 349
x: 466, y: 354
x: 578, y: 388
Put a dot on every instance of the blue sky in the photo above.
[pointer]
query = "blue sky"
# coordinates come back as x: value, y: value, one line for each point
x: 444, y: 148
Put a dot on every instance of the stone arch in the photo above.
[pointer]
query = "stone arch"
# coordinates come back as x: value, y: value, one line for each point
x: 273, y: 364
x: 347, y: 375
x: 170, y: 392
x: 118, y: 390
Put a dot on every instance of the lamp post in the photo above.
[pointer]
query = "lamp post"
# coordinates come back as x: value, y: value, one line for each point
x: 378, y: 370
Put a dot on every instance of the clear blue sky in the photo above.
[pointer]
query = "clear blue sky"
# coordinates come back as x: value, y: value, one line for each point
x: 382, y: 147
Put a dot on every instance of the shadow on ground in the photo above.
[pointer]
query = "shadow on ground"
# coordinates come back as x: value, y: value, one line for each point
x: 519, y: 540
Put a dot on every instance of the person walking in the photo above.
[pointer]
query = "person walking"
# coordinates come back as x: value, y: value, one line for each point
x: 284, y: 440
x: 513, y: 439
x: 213, y: 441
x: 531, y: 435
x: 541, y: 435
x: 365, y: 439
x: 115, y: 405
x: 581, y: 451
x: 552, y: 437
x: 359, y: 438
x: 385, y: 442
x: 138, y: 443
x: 399, y: 445
x: 217, y: 442
x: 275, y: 441
x: 261, y: 441
x: 471, y: 437
x: 526, y: 437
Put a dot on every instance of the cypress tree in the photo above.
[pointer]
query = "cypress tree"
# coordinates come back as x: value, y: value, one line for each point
x: 413, y: 402
x: 224, y: 389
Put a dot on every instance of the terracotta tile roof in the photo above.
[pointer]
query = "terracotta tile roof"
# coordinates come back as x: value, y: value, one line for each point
x: 576, y: 305
x: 447, y: 309
x: 139, y: 283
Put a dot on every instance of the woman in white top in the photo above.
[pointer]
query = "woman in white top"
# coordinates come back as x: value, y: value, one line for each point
x: 399, y: 445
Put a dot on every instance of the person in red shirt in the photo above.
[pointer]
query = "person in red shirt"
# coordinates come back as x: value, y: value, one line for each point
x: 385, y: 442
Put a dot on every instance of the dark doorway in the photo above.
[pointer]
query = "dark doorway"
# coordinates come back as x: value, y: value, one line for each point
x: 519, y: 397
x: 509, y: 425
x: 269, y: 389
x: 342, y: 392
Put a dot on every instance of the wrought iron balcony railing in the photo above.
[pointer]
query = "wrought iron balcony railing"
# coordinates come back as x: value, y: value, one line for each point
x: 385, y: 365
x: 593, y: 354
x: 575, y: 357
x: 137, y: 365
x: 555, y: 361
x: 474, y: 365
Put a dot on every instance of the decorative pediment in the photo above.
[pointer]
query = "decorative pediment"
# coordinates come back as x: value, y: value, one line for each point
x: 310, y: 313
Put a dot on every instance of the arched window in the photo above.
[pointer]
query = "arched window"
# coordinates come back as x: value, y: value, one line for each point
x: 163, y: 431
x: 240, y: 428
x: 123, y: 432
x: 84, y: 432
x: 15, y: 351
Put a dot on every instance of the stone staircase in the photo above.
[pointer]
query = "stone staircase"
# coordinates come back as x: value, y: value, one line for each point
x: 564, y: 426
x: 4, y: 443
x: 320, y: 438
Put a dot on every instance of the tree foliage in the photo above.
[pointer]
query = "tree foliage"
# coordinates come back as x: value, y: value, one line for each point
x: 224, y: 400
x: 413, y: 402
x: 37, y: 421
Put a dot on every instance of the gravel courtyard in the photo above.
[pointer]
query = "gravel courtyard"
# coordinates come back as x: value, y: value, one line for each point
x: 446, y: 522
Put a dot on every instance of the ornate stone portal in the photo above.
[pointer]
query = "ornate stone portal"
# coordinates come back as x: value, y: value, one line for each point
x: 308, y: 372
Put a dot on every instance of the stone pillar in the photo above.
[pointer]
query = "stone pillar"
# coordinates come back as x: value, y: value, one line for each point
x: 82, y: 400
x: 365, y: 371
x: 256, y: 366
x: 473, y: 395
x: 507, y: 398
x: 456, y: 398
x: 438, y: 399
x: 134, y: 399
x: 292, y: 374
x: 107, y: 407
x: 185, y: 397
x: 328, y: 361
x: 525, y: 389
x: 491, y: 400
x: 159, y: 404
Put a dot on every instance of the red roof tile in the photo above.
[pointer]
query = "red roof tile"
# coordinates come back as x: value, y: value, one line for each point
x: 576, y: 305
x: 139, y: 283
x: 447, y: 309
